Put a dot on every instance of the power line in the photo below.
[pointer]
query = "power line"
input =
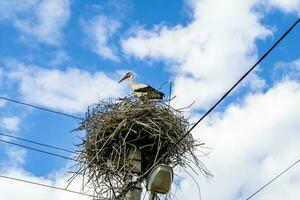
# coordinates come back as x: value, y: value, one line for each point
x: 40, y: 108
x: 37, y: 143
x: 273, y: 179
x: 229, y: 91
x: 38, y: 150
x: 47, y: 186
x: 174, y: 145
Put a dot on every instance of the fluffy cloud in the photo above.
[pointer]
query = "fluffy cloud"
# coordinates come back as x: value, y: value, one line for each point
x: 2, y: 103
x: 252, y: 142
x: 28, y: 191
x: 294, y: 65
x: 42, y: 20
x: 1, y: 75
x: 100, y: 30
x: 288, y: 70
x: 10, y: 123
x: 286, y: 5
x: 71, y: 90
x: 10, y: 9
x: 12, y: 166
x: 15, y: 157
x: 59, y: 58
x: 208, y: 54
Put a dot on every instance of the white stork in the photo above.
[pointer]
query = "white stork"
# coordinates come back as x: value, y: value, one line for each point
x: 142, y: 89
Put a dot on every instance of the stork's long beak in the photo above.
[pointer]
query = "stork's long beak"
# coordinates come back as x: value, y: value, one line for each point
x: 125, y: 77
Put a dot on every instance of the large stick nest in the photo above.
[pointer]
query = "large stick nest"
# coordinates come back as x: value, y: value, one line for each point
x: 116, y: 127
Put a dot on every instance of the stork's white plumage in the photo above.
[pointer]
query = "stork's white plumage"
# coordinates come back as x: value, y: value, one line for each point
x: 142, y: 89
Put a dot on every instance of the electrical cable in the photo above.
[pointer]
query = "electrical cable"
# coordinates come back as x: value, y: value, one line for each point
x: 37, y: 143
x: 40, y: 108
x: 38, y: 150
x: 44, y: 185
x: 273, y: 179
x: 229, y: 91
x: 174, y: 145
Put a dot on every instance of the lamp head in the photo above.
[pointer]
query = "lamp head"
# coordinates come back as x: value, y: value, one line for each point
x: 160, y: 179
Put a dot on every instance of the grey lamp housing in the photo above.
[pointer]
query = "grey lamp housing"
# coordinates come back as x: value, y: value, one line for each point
x: 160, y: 179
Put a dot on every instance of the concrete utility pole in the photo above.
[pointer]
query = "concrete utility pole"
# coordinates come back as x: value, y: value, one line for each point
x: 135, y: 157
x: 152, y: 196
x: 158, y: 182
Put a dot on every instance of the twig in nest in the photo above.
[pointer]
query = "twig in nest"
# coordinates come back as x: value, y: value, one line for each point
x: 114, y: 127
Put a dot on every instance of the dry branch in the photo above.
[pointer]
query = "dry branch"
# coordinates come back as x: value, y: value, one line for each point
x: 113, y: 127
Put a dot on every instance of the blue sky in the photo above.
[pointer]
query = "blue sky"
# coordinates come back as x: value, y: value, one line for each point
x: 68, y: 54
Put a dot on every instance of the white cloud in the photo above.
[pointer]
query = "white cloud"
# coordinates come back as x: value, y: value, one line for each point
x: 295, y: 64
x: 28, y: 191
x: 70, y: 90
x: 252, y: 142
x: 15, y: 157
x: 287, y: 6
x: 13, y: 165
x: 9, y: 9
x: 2, y: 103
x: 42, y: 20
x: 255, y: 82
x: 60, y: 57
x: 100, y: 30
x: 208, y: 54
x: 10, y: 123
x: 288, y: 70
x: 1, y: 75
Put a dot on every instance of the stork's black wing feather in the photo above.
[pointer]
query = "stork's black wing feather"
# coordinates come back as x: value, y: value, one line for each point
x: 154, y: 94
x: 146, y: 89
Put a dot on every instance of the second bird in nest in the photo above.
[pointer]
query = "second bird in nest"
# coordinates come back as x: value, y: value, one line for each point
x: 142, y: 90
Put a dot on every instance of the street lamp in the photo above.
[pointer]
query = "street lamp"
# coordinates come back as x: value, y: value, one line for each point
x: 159, y: 180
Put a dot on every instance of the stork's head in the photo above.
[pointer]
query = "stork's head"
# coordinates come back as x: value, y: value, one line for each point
x: 128, y: 75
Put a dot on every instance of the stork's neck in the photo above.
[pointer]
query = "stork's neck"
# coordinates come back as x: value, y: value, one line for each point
x: 131, y: 82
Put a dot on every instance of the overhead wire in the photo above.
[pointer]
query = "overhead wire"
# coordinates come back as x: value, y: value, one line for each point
x: 37, y: 143
x: 174, y: 145
x: 38, y: 150
x: 47, y: 186
x: 273, y: 179
x: 41, y: 151
x: 40, y: 108
x: 229, y: 91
